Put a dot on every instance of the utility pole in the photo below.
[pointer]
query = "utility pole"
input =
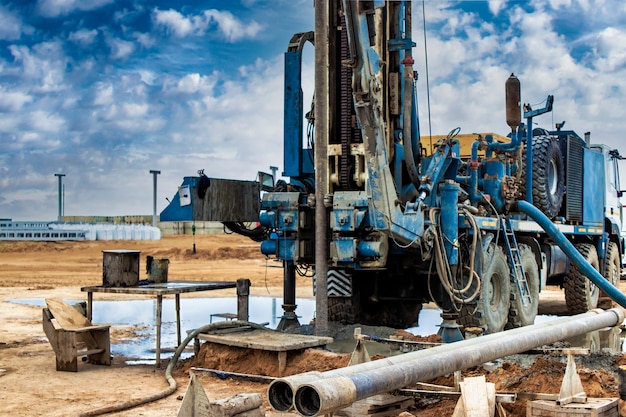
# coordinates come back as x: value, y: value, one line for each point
x: 61, y: 202
x: 154, y: 196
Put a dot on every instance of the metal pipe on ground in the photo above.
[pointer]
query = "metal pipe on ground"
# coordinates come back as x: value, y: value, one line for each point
x: 280, y: 393
x: 326, y: 395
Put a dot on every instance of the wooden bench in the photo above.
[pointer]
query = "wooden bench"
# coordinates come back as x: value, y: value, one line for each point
x: 72, y: 335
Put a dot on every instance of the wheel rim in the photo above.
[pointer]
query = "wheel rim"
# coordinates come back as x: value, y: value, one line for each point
x: 553, y: 180
x: 494, y: 292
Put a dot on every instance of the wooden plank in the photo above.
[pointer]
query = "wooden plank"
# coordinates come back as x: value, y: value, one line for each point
x: 66, y: 316
x: 474, y: 394
x: 266, y: 340
x: 164, y: 288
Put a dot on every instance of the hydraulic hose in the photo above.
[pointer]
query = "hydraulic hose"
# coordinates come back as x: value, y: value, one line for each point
x: 575, y: 257
x: 168, y: 371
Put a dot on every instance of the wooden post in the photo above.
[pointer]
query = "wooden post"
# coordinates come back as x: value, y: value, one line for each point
x: 243, y: 294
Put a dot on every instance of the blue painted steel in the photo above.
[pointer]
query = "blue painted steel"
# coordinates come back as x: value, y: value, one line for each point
x: 450, y: 220
x: 369, y: 249
x: 269, y: 247
x: 495, y: 171
x: 614, y: 293
x: 343, y: 250
x: 529, y: 144
x: 174, y: 211
x: 293, y: 123
x: 349, y: 211
x: 593, y: 187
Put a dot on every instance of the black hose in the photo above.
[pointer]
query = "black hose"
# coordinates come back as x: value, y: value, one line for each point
x: 168, y: 371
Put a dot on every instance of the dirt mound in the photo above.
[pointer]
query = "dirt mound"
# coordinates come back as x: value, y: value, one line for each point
x: 257, y: 362
x: 221, y: 253
x: 543, y: 376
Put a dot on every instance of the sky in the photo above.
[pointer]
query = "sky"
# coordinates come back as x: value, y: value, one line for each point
x: 104, y: 91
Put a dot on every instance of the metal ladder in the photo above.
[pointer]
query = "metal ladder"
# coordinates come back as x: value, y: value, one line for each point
x: 515, y: 260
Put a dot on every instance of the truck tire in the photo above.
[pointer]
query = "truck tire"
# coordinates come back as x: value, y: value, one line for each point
x: 548, y: 176
x: 492, y: 309
x: 611, y: 273
x: 520, y: 314
x: 340, y: 310
x: 581, y: 295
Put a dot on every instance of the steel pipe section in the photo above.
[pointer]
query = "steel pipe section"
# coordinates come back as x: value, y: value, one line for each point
x: 326, y: 395
x: 614, y: 293
x: 281, y: 391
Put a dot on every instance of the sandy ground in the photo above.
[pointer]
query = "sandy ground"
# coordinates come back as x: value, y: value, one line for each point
x: 30, y: 385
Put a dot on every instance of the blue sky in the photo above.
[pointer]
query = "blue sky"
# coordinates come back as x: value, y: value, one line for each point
x: 104, y: 91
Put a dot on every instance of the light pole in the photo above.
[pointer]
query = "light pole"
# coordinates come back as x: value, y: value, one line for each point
x: 154, y: 196
x: 60, y: 176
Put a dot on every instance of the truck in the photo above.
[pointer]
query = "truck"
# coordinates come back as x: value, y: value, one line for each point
x: 385, y: 219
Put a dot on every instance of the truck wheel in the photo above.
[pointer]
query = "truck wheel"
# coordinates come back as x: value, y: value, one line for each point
x: 520, y: 314
x: 548, y: 176
x: 340, y: 310
x: 611, y: 273
x: 492, y: 309
x: 581, y: 295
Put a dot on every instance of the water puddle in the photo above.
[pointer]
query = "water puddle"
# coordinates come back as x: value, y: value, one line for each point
x: 139, y: 316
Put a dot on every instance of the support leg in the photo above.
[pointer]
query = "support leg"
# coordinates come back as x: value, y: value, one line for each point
x: 289, y: 318
x: 158, y: 330
x: 282, y: 362
x: 89, y: 305
x: 178, y: 318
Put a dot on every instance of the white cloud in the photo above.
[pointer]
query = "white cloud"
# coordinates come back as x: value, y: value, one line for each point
x: 13, y: 100
x: 227, y: 24
x: 54, y: 8
x: 120, y: 49
x: 231, y: 27
x: 83, y: 37
x: 43, y: 65
x: 190, y: 84
x: 103, y: 94
x: 610, y: 49
x: 11, y: 26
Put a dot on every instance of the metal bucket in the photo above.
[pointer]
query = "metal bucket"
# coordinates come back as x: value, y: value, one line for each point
x: 156, y: 269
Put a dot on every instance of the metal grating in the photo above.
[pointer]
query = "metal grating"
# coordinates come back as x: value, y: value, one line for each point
x: 574, y: 180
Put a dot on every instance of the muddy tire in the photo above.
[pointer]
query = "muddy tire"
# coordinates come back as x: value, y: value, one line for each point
x: 581, y: 295
x: 491, y: 312
x: 612, y: 271
x: 520, y: 314
x: 548, y: 176
x: 340, y: 310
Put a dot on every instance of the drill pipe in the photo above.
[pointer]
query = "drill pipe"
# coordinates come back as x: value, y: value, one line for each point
x: 280, y: 393
x: 324, y: 395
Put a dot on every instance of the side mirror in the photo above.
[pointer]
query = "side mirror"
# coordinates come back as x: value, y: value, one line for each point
x: 620, y: 193
x: 266, y: 180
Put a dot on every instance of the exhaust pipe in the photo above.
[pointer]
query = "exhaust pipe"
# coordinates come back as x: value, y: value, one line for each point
x: 326, y: 395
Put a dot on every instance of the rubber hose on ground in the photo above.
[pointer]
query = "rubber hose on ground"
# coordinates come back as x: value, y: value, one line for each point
x: 572, y: 253
x: 168, y: 371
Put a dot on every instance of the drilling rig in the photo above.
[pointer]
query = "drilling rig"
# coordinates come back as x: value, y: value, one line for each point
x: 386, y: 219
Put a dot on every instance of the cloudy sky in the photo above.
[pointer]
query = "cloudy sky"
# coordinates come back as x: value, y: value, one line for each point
x: 104, y: 91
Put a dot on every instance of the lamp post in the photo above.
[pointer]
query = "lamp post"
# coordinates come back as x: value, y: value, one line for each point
x: 60, y: 176
x: 154, y: 196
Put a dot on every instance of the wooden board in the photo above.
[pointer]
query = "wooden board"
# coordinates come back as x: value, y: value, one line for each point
x: 266, y: 340
x: 594, y: 407
x: 66, y: 316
